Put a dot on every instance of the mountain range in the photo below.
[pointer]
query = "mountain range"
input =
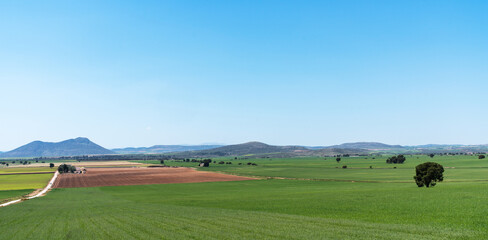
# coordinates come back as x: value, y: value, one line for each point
x: 83, y: 146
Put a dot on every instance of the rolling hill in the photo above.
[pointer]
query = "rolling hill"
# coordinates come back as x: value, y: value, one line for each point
x: 245, y: 149
x: 72, y: 147
x: 163, y: 149
x: 367, y: 145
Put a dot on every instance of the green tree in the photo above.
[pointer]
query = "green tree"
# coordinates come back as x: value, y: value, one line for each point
x: 51, y: 165
x: 338, y: 159
x: 428, y: 174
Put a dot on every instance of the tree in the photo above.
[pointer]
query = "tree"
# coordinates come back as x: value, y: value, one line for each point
x: 481, y: 156
x: 428, y: 174
x: 206, y: 162
x: 338, y: 159
x: 162, y: 162
x: 431, y: 155
x: 396, y: 159
x: 51, y: 165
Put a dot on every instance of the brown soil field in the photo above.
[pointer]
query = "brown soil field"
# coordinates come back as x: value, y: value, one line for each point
x: 97, y: 177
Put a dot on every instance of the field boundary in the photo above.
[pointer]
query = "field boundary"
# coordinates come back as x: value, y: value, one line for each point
x: 40, y: 194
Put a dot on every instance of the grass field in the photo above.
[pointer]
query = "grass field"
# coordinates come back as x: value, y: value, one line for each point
x: 457, y: 168
x: 391, y: 207
x: 260, y: 209
x: 24, y: 181
x: 26, y: 169
x: 10, y: 194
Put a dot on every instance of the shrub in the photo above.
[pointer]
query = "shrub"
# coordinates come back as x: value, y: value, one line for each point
x: 345, y: 166
x: 481, y: 156
x: 221, y: 162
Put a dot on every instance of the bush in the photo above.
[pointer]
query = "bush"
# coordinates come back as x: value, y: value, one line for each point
x: 481, y: 156
x: 345, y: 166
x: 221, y: 162
x: 51, y: 165
x: 370, y: 167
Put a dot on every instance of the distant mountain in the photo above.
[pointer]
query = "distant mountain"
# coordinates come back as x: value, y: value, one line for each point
x: 72, y: 147
x: 367, y: 145
x: 244, y: 149
x: 163, y: 149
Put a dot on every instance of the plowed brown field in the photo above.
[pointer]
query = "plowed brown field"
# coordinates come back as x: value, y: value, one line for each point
x: 97, y: 177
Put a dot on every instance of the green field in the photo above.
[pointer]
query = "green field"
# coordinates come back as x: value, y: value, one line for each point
x: 24, y: 181
x: 13, y: 194
x: 457, y: 168
x: 378, y: 203
x: 26, y: 169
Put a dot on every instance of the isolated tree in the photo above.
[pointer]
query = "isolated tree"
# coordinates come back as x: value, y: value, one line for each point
x: 431, y: 155
x: 481, y: 156
x: 51, y: 165
x: 162, y: 162
x: 338, y: 159
x: 428, y: 174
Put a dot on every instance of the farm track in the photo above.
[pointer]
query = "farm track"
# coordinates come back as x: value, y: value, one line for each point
x: 98, y: 177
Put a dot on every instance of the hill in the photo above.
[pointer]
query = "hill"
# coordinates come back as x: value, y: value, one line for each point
x: 72, y: 147
x: 163, y: 149
x: 244, y: 149
x: 367, y: 145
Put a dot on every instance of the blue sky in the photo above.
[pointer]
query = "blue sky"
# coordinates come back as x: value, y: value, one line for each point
x: 132, y: 73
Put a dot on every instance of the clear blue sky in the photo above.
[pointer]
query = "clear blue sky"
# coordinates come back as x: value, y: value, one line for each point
x: 140, y: 73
